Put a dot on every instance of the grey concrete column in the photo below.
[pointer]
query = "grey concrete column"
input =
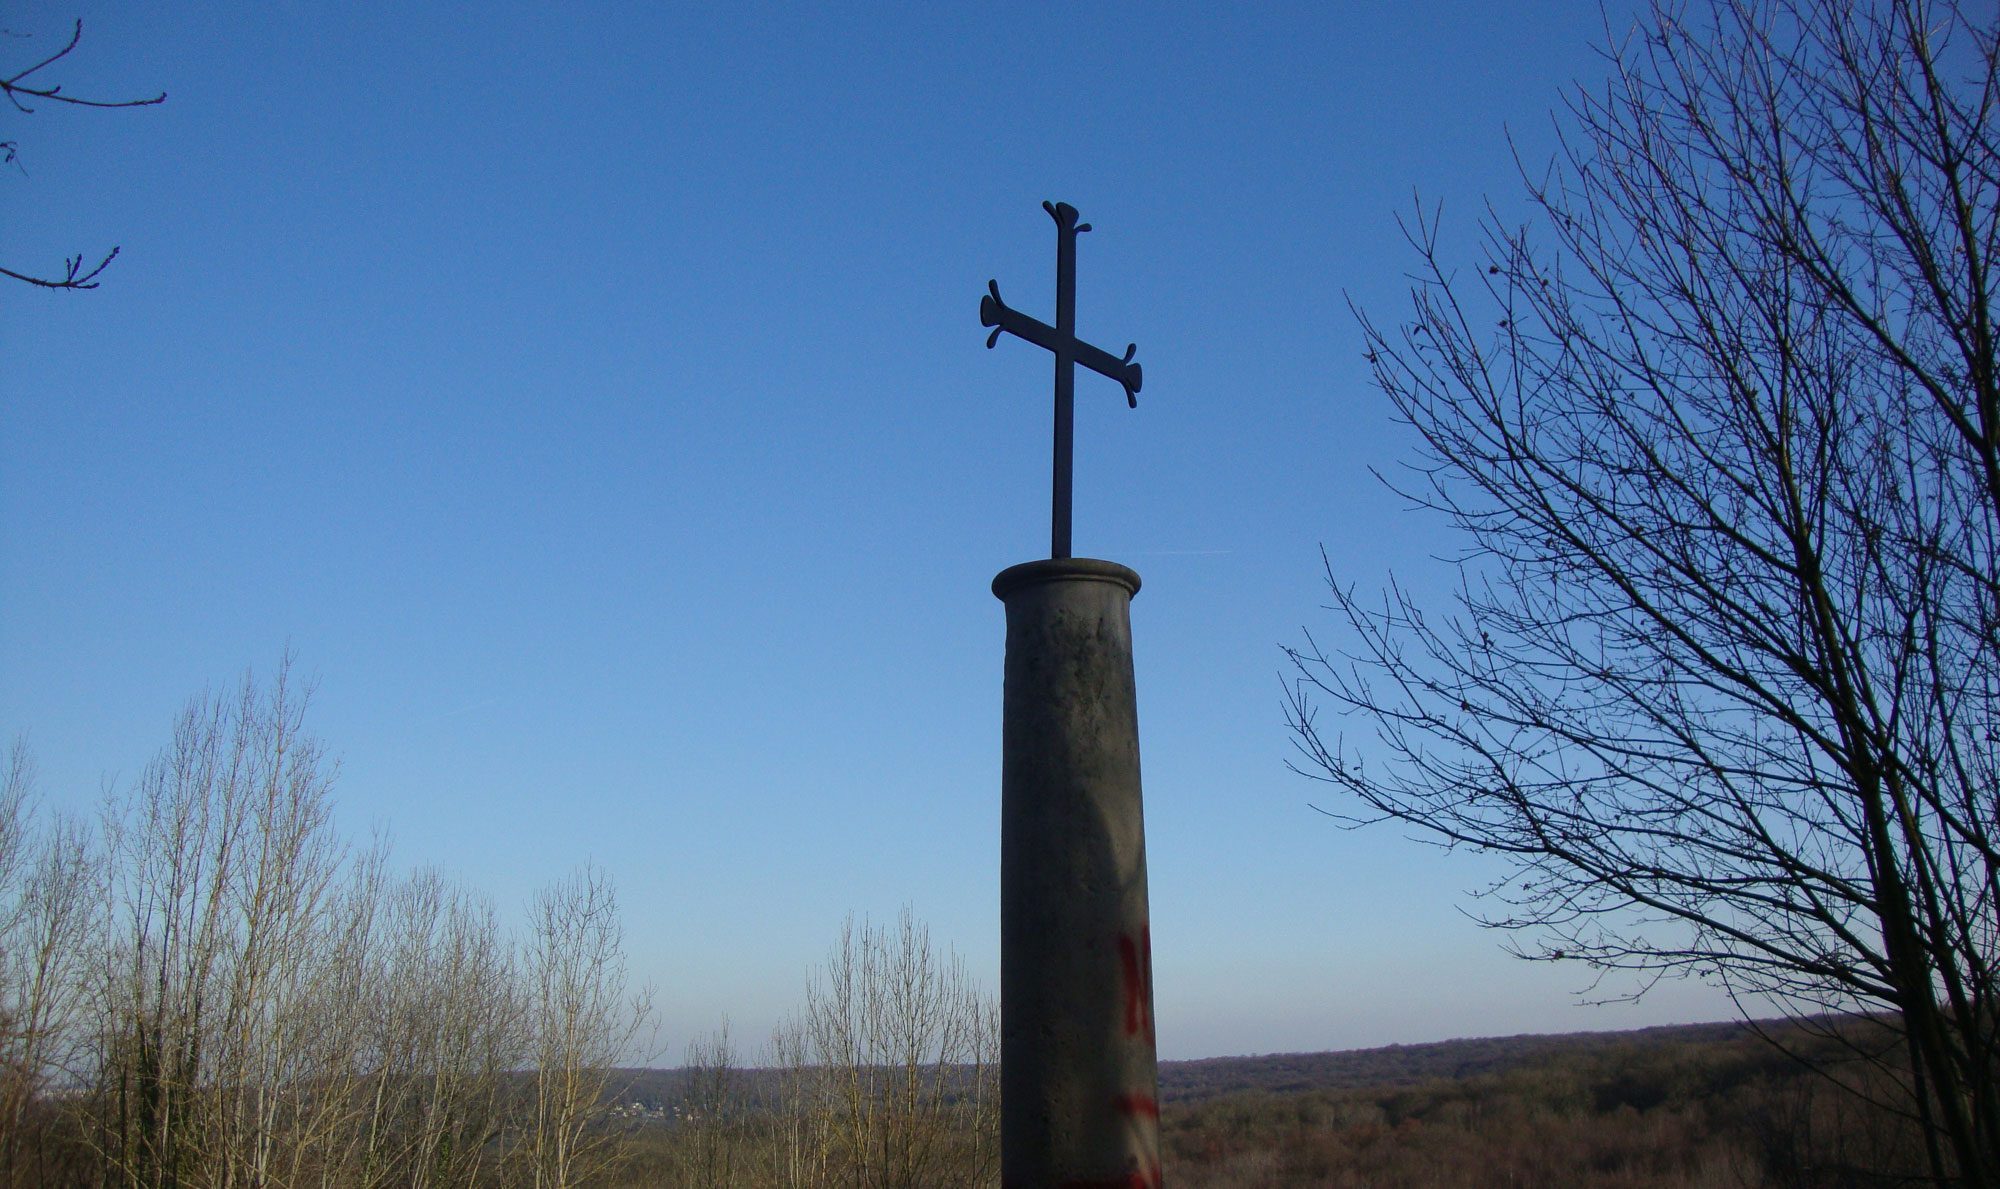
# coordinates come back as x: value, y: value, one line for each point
x: 1079, y: 1086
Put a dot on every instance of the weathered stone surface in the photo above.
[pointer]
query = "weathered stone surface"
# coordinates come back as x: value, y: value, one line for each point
x: 1079, y: 1083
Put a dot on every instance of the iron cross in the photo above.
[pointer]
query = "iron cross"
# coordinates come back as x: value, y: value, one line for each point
x: 1069, y: 351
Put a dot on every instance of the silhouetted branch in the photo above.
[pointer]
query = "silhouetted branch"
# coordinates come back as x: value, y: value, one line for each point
x: 73, y: 278
x: 17, y: 90
x: 14, y: 88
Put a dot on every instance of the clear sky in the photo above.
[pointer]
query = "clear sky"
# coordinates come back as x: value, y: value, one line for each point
x: 592, y: 397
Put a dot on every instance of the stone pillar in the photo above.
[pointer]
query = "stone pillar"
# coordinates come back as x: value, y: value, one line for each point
x: 1078, y: 1080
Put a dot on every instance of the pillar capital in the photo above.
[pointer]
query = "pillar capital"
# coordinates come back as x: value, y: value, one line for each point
x: 1064, y: 569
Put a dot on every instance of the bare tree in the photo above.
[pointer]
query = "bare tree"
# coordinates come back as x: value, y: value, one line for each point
x: 708, y: 1108
x: 583, y: 1023
x: 1722, y: 678
x: 223, y: 876
x: 215, y: 989
x: 893, y: 1067
x: 30, y: 86
x: 439, y: 1020
x: 802, y: 1142
x: 47, y: 877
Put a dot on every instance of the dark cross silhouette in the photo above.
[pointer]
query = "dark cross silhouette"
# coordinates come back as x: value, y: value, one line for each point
x: 1069, y: 351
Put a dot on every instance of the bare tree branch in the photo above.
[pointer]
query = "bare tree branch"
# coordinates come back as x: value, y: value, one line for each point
x: 18, y: 90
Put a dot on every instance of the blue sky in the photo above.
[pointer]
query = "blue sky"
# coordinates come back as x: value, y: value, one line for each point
x: 592, y: 397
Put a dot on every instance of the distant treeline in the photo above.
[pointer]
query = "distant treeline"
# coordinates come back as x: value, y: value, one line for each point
x: 1785, y: 1105
x: 1408, y: 1065
x: 1778, y: 1104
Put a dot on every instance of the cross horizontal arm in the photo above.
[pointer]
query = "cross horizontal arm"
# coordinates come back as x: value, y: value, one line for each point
x: 996, y: 313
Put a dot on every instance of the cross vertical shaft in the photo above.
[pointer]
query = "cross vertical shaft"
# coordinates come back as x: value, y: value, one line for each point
x: 1059, y: 506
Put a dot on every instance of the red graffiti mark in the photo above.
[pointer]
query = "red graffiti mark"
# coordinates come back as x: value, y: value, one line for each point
x: 1138, y: 960
x: 1143, y: 1105
x: 1135, y: 986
